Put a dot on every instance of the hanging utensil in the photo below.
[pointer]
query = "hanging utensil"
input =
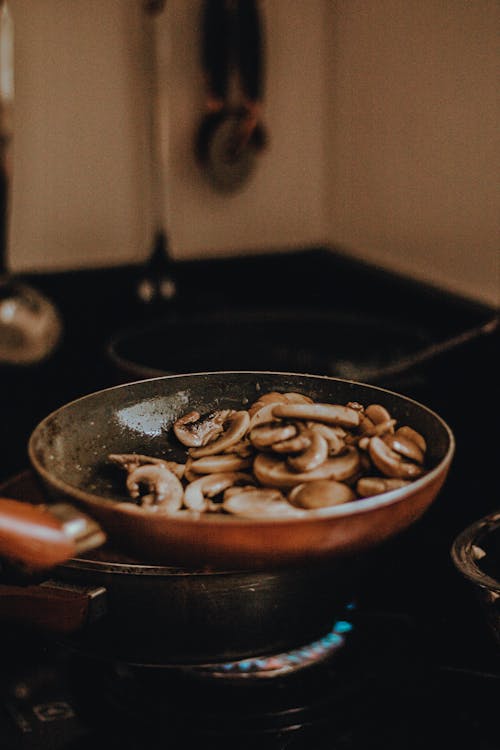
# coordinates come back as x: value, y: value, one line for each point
x: 158, y: 282
x: 231, y: 133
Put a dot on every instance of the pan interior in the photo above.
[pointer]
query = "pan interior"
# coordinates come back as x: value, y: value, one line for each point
x: 72, y: 444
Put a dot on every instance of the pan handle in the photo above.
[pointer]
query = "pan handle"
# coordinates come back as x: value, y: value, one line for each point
x: 39, y: 539
x: 52, y: 606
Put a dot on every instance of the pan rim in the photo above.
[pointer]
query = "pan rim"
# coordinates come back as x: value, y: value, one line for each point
x: 462, y: 555
x: 352, y: 508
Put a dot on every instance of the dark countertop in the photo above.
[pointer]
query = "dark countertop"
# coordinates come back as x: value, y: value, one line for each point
x: 96, y: 304
x: 412, y: 575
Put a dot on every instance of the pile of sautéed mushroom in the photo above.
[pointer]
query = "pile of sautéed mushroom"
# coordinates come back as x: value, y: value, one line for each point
x: 286, y: 455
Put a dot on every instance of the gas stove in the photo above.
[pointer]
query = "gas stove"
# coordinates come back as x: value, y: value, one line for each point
x: 410, y: 663
x: 380, y: 685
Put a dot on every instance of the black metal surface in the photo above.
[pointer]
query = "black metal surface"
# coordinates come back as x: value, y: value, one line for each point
x: 423, y: 669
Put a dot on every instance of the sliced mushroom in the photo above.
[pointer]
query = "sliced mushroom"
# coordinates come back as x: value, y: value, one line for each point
x: 315, y: 454
x: 219, y: 463
x: 273, y: 397
x: 238, y: 422
x: 297, y: 398
x: 189, y: 474
x: 390, y: 463
x: 363, y: 443
x: 193, y: 431
x: 355, y: 405
x: 411, y: 434
x: 368, y: 486
x: 237, y: 488
x: 130, y: 461
x: 384, y: 428
x: 267, y: 433
x: 164, y: 488
x: 334, y: 436
x: 197, y: 493
x: 242, y: 448
x: 321, y: 493
x: 295, y: 445
x: 405, y: 447
x: 377, y: 413
x: 368, y: 428
x: 271, y: 471
x: 263, y: 414
x: 329, y: 413
x: 256, y: 502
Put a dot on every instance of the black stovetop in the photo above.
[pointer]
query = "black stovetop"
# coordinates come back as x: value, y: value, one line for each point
x: 420, y: 667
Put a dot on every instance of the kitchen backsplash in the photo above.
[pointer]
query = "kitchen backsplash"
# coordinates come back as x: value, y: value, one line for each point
x: 382, y: 123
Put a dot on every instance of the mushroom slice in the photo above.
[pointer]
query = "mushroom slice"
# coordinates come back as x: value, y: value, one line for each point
x: 242, y: 448
x: 334, y: 436
x: 189, y: 474
x: 405, y: 447
x: 356, y: 405
x: 130, y: 461
x: 193, y: 431
x: 256, y: 502
x: 219, y: 463
x: 295, y: 445
x: 314, y: 455
x: 368, y: 428
x: 368, y: 486
x: 164, y: 488
x: 273, y: 397
x: 268, y: 433
x: 263, y: 415
x: 197, y: 493
x: 329, y: 413
x: 383, y: 428
x: 411, y: 434
x: 320, y: 493
x: 377, y: 413
x: 271, y: 471
x: 297, y: 398
x: 390, y: 463
x: 238, y: 422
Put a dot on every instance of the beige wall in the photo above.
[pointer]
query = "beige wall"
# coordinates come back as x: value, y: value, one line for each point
x: 81, y: 194
x: 382, y: 116
x: 414, y: 138
x: 78, y: 156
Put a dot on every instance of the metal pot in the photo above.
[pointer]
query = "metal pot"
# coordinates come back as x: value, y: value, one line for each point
x: 476, y: 555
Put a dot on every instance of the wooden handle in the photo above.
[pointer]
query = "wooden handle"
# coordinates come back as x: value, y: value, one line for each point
x: 34, y: 537
x: 52, y: 606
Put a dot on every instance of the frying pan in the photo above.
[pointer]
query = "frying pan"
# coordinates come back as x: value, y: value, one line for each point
x: 68, y: 451
x: 111, y: 606
x: 318, y: 342
x: 355, y: 346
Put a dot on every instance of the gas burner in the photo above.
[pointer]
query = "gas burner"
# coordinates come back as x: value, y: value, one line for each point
x: 370, y: 689
x: 283, y: 663
x: 286, y: 699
